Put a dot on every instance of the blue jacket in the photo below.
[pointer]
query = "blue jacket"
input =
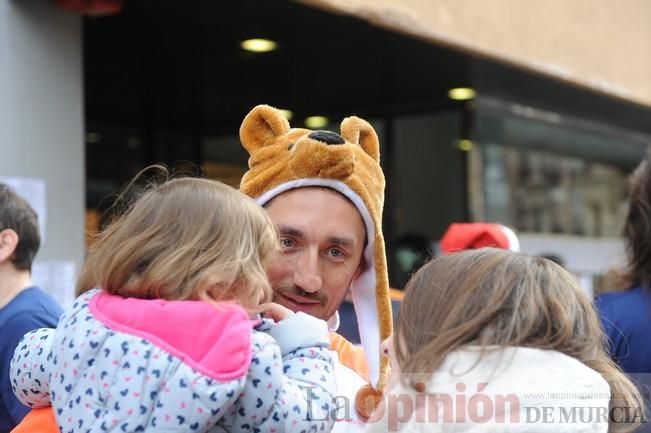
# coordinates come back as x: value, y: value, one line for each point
x: 30, y: 309
x: 626, y: 317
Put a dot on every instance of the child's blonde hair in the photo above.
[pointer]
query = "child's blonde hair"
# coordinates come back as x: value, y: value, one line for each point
x: 185, y: 239
x: 490, y: 297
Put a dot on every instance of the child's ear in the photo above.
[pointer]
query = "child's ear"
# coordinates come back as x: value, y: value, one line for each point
x: 261, y: 124
x: 359, y: 131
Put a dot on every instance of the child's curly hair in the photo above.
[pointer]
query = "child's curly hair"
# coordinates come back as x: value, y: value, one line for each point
x: 185, y: 239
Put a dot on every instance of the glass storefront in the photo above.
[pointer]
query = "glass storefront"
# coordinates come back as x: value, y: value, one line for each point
x: 543, y: 192
x: 542, y: 173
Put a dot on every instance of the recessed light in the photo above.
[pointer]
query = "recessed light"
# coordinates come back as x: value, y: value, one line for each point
x: 259, y: 45
x: 316, y: 122
x: 461, y: 93
x: 465, y: 145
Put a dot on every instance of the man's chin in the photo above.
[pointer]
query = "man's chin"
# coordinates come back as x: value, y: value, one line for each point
x: 313, y: 309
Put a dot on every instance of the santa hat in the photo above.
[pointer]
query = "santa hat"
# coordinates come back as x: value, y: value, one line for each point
x: 469, y: 236
x: 284, y: 158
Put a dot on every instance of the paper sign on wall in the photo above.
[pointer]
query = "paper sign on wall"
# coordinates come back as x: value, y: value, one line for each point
x: 57, y: 277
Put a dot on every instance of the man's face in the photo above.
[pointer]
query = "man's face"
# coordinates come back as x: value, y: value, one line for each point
x: 321, y: 244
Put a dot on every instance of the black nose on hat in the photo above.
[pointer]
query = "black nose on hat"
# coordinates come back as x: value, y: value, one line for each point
x: 327, y: 137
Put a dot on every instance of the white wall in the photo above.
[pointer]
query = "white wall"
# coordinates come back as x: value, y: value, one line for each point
x: 583, y: 256
x: 41, y: 122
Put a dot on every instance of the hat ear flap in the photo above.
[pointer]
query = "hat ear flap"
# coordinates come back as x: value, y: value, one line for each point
x: 260, y: 125
x: 359, y: 131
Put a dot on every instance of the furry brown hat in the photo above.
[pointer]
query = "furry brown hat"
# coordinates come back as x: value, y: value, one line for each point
x: 284, y: 158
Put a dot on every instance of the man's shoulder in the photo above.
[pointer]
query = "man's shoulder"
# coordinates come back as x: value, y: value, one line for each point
x: 32, y: 308
x: 629, y: 306
x: 32, y: 299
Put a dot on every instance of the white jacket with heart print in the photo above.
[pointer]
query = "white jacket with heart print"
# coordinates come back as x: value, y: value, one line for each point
x: 116, y: 364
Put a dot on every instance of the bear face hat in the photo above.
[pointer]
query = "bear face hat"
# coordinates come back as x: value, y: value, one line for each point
x: 284, y: 158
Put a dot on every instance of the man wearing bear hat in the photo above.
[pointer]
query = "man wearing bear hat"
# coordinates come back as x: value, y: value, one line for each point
x: 325, y: 193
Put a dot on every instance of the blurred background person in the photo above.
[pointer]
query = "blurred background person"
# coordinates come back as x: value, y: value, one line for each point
x: 626, y: 314
x: 411, y: 251
x: 23, y: 307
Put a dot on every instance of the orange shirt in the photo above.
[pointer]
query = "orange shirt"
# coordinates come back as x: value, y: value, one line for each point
x: 38, y: 421
x: 349, y: 355
x: 353, y: 356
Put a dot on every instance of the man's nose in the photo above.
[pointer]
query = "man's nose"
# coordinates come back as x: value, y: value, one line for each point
x: 307, y: 275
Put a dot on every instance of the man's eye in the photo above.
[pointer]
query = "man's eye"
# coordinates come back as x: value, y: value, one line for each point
x: 336, y: 252
x: 286, y: 243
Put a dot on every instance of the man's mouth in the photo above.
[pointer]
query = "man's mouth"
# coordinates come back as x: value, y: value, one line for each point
x: 297, y: 302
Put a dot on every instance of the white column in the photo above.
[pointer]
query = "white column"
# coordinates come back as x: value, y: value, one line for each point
x: 41, y: 124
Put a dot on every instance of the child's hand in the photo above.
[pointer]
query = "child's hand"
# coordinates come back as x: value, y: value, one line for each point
x: 277, y: 312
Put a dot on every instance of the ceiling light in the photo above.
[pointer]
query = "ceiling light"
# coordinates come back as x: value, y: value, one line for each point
x: 259, y: 45
x: 465, y: 145
x: 461, y: 93
x: 316, y: 122
x: 287, y: 113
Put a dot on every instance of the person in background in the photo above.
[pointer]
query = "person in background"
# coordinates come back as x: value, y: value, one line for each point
x: 411, y: 252
x: 626, y: 314
x: 23, y: 307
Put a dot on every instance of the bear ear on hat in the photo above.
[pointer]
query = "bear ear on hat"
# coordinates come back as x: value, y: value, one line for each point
x: 359, y: 131
x: 261, y: 124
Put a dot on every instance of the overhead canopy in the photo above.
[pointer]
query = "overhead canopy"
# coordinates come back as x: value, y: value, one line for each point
x: 598, y: 44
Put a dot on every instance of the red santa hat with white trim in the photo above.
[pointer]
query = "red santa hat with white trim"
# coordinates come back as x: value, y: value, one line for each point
x: 469, y: 236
